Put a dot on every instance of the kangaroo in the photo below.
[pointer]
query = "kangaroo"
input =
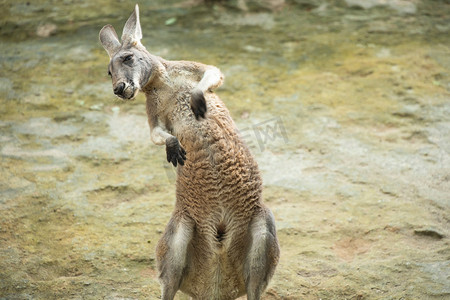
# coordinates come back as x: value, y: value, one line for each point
x: 220, y: 242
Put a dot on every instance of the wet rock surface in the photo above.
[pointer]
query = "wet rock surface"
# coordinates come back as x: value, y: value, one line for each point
x: 345, y: 105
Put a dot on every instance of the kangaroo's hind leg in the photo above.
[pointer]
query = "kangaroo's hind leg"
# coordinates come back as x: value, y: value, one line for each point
x: 172, y: 254
x: 263, y: 254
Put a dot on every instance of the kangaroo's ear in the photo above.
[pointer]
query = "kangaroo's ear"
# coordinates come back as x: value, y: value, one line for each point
x: 132, y: 33
x: 109, y: 40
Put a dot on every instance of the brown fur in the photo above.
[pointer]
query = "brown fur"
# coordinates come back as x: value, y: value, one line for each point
x: 220, y: 242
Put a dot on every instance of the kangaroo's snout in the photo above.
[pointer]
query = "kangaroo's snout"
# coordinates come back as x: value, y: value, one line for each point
x: 124, y: 90
x: 118, y: 90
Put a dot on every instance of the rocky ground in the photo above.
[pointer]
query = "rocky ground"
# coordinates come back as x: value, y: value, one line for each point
x: 345, y: 104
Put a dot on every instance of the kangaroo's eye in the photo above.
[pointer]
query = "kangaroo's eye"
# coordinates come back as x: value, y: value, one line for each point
x: 109, y: 73
x: 127, y: 58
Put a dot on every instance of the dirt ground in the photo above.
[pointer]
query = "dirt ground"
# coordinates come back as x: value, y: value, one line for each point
x: 345, y: 106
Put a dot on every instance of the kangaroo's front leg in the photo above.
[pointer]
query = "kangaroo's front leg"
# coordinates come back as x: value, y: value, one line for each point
x: 212, y: 78
x: 172, y: 254
x: 175, y: 153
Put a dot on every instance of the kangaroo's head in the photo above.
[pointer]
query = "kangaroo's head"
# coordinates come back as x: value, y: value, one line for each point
x: 130, y: 67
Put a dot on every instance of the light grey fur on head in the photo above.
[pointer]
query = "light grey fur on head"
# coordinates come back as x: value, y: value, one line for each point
x: 109, y: 40
x: 131, y: 35
x: 132, y: 32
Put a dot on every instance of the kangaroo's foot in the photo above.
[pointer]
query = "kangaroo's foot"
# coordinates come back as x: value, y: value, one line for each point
x: 175, y: 153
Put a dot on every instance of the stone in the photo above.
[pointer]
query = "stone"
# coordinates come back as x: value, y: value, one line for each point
x: 46, y: 30
x: 429, y: 232
x: 401, y: 6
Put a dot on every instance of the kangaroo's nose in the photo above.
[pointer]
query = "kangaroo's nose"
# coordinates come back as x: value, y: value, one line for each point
x: 118, y: 90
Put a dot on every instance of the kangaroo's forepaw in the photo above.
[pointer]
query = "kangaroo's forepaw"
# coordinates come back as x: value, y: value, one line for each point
x: 198, y: 104
x: 175, y: 153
